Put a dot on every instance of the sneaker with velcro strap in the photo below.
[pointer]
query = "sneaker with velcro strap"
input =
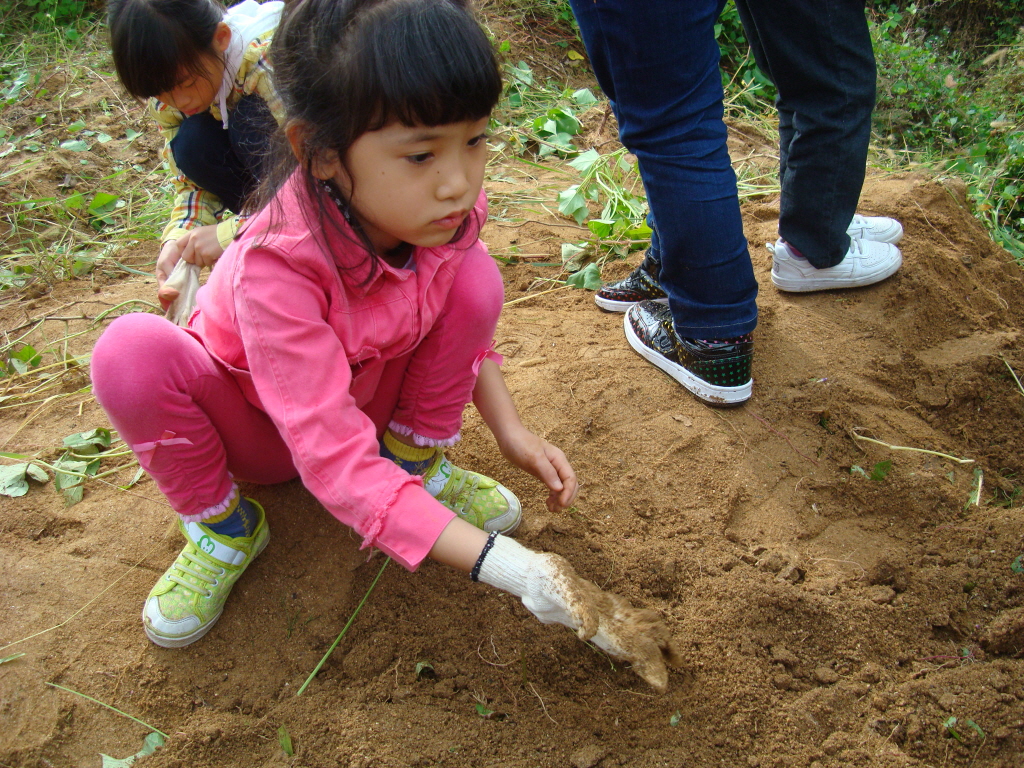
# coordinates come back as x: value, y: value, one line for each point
x: 189, y: 598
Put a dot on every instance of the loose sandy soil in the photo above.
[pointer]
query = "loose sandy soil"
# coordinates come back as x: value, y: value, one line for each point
x: 825, y: 618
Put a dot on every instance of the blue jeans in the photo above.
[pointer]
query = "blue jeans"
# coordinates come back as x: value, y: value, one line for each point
x: 657, y: 60
x: 818, y: 53
x: 228, y: 163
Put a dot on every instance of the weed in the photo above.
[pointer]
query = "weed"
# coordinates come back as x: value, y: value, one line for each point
x: 285, y: 740
x: 877, y: 473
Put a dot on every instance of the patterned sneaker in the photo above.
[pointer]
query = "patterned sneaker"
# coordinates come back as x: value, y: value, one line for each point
x: 641, y: 285
x: 718, y: 372
x: 866, y: 263
x: 189, y: 598
x: 475, y: 498
x: 879, y: 229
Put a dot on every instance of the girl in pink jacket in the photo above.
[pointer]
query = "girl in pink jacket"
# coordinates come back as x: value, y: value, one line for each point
x: 342, y: 333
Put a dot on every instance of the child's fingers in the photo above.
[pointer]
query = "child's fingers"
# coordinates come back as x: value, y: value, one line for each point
x: 563, y: 493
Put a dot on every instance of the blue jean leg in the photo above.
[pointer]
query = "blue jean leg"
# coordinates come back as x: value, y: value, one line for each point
x: 658, y: 63
x: 818, y: 53
x: 228, y: 163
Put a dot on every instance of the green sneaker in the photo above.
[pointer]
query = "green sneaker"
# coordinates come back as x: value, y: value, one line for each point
x: 189, y: 598
x: 475, y: 498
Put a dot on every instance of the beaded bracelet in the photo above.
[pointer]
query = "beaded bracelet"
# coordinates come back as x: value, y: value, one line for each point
x: 475, y: 573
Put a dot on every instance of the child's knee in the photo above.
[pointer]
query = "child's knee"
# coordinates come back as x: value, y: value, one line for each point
x: 132, y: 350
x: 478, y: 291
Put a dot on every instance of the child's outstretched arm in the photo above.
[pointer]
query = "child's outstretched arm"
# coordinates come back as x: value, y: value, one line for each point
x: 519, y: 445
x: 553, y: 592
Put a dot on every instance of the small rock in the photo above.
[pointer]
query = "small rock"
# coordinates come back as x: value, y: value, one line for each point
x: 772, y: 563
x: 784, y: 656
x: 940, y: 619
x: 881, y: 594
x: 881, y: 702
x: 870, y: 673
x: 825, y: 675
x: 782, y: 681
x: 947, y: 701
x: 588, y: 756
x: 792, y: 574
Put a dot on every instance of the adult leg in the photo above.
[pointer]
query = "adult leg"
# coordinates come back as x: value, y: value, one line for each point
x: 818, y: 53
x: 658, y: 63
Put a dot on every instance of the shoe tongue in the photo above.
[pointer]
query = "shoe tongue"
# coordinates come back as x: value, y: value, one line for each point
x: 435, y: 483
x: 212, y: 545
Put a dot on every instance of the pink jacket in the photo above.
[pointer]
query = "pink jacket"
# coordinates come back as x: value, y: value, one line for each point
x: 307, y: 346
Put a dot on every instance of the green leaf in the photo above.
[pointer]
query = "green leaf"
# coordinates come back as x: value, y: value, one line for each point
x: 149, y: 745
x: 586, y: 160
x: 76, y: 126
x: 99, y: 437
x: 588, y: 278
x: 103, y: 138
x: 674, y: 720
x: 425, y: 669
x: 14, y: 478
x: 285, y: 741
x: 601, y: 227
x: 102, y: 203
x: 1017, y: 566
x: 131, y: 134
x: 75, y: 201
x: 75, y: 145
x: 977, y: 728
x: 572, y: 203
x: 5, y: 659
x: 948, y: 725
x: 584, y: 97
x: 880, y: 470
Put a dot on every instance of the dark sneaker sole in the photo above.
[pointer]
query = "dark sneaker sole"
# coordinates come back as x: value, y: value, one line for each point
x: 611, y: 305
x: 709, y: 393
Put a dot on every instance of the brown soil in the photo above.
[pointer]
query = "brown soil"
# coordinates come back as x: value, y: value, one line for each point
x: 825, y: 618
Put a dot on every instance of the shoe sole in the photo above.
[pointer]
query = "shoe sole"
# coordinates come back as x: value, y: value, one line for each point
x: 181, y: 642
x: 709, y: 393
x: 806, y: 285
x: 610, y: 305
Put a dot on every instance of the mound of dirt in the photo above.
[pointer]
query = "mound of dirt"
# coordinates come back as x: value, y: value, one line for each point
x: 837, y: 599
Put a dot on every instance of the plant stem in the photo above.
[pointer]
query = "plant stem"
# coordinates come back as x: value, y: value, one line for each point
x: 344, y: 629
x: 114, y: 709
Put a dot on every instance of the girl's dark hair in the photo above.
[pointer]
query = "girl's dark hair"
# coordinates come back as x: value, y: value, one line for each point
x: 346, y: 67
x: 155, y: 41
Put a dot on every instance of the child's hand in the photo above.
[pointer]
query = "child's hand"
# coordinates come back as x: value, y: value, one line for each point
x: 544, y: 461
x: 170, y: 255
x: 553, y: 592
x: 202, y: 246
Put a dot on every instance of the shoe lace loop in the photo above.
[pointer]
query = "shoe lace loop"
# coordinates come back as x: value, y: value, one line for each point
x: 210, y: 572
x: 460, y: 495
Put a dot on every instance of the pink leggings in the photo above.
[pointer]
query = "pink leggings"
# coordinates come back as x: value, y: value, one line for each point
x: 193, y: 431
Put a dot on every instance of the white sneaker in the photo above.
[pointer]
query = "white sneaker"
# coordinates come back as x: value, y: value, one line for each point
x: 879, y: 229
x: 866, y: 263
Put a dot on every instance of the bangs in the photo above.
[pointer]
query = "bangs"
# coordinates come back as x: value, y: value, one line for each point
x: 154, y: 48
x: 431, y: 65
